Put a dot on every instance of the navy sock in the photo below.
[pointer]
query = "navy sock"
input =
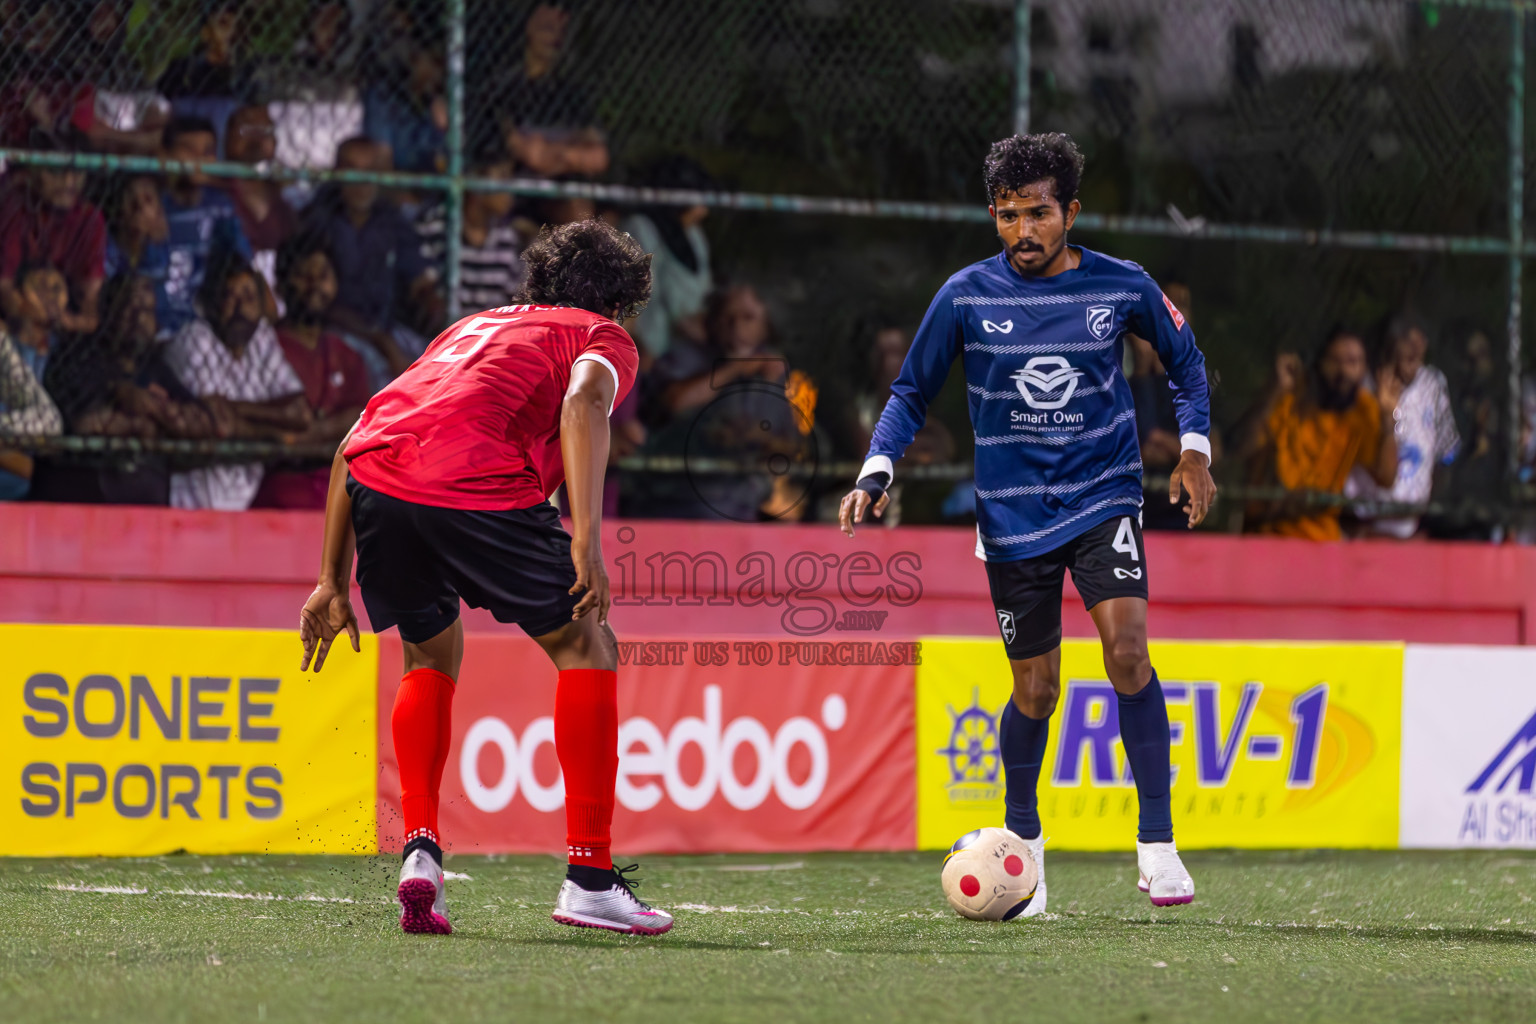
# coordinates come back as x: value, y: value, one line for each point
x: 1144, y: 732
x: 1022, y: 740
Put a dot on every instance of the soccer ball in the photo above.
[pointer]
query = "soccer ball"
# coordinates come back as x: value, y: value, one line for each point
x: 989, y: 875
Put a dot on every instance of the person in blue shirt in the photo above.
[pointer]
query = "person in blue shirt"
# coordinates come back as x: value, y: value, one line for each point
x: 202, y: 219
x: 1039, y: 329
x: 138, y: 235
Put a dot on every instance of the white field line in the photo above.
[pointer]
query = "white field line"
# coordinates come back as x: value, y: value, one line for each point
x: 791, y: 866
x: 456, y: 876
x: 127, y: 890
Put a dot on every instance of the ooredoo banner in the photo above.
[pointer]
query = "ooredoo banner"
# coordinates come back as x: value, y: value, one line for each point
x: 1274, y: 745
x: 721, y: 748
x: 117, y: 740
x: 1469, y: 747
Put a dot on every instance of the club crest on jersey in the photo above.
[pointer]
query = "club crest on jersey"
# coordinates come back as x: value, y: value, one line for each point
x: 1005, y: 621
x: 1047, y: 382
x: 1006, y: 327
x: 1101, y: 320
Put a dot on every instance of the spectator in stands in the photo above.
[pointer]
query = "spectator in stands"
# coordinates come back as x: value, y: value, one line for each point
x: 117, y: 383
x: 1311, y: 429
x: 212, y: 81
x: 204, y: 224
x: 39, y: 91
x: 379, y: 267
x: 680, y: 273
x: 1424, y: 427
x: 410, y: 117
x: 25, y: 411
x: 129, y: 114
x: 335, y: 377
x: 265, y: 216
x: 232, y: 361
x: 731, y: 398
x: 1479, y: 476
x: 42, y: 299
x: 43, y: 220
x: 1157, y: 426
x: 138, y: 235
x: 491, y: 268
x: 547, y: 120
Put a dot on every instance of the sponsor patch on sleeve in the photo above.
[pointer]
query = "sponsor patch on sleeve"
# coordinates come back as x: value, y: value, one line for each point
x: 1173, y: 311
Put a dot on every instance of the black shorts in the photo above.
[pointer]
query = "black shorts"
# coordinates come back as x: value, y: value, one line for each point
x: 414, y: 562
x: 1107, y: 561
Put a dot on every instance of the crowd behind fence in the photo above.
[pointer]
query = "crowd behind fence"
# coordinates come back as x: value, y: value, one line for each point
x: 224, y: 224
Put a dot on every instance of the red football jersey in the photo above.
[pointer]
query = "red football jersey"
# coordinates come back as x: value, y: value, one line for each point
x: 475, y: 422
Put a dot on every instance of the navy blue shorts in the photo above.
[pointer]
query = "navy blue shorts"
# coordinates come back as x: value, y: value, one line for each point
x: 414, y: 563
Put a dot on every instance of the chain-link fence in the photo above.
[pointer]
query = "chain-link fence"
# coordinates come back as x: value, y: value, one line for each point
x: 1295, y: 164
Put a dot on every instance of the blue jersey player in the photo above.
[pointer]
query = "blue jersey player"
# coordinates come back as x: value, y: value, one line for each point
x: 1039, y: 328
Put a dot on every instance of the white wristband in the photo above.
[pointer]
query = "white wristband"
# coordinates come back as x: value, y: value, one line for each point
x: 1196, y: 443
x: 879, y: 464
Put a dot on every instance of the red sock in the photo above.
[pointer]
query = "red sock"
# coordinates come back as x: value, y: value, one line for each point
x: 587, y: 743
x: 421, y: 722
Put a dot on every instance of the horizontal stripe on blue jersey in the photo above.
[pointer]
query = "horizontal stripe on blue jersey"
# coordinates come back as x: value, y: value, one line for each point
x: 1025, y: 437
x: 1042, y: 300
x: 1022, y: 491
x: 1030, y: 538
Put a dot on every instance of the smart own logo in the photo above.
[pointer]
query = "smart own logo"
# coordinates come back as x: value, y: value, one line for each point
x: 1047, y: 382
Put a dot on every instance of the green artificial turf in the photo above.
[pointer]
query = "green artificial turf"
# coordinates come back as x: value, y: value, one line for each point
x: 1271, y: 936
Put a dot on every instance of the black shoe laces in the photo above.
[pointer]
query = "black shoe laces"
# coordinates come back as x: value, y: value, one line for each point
x: 621, y: 876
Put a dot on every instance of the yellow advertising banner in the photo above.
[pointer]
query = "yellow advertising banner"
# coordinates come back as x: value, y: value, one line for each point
x: 125, y: 740
x: 1273, y: 745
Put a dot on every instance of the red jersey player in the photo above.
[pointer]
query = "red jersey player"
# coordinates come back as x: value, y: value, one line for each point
x: 442, y: 487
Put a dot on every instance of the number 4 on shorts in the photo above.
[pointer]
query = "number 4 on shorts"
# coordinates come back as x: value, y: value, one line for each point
x: 1125, y: 540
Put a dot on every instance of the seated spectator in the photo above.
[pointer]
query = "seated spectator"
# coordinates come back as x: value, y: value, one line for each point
x: 731, y: 398
x: 138, y: 235
x: 335, y: 377
x: 410, y: 117
x: 43, y: 220
x: 491, y: 270
x: 265, y: 215
x: 129, y: 113
x: 39, y: 89
x: 379, y: 267
x: 42, y: 299
x: 232, y: 361
x: 25, y: 411
x: 314, y: 89
x: 933, y: 444
x: 212, y: 81
x: 117, y: 383
x: 1311, y: 429
x: 680, y: 274
x: 1424, y: 427
x: 546, y: 120
x: 202, y: 219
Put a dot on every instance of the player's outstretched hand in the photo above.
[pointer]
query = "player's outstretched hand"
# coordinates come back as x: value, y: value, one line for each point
x: 1193, y: 476
x: 591, y: 577
x: 326, y: 615
x: 855, y: 504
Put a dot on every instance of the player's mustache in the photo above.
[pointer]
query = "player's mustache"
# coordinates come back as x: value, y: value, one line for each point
x: 1025, y: 247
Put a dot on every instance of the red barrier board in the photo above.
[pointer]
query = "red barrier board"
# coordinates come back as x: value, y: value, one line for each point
x: 713, y: 758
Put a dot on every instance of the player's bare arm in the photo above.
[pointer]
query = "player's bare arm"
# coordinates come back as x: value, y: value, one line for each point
x: 328, y: 612
x: 584, y: 447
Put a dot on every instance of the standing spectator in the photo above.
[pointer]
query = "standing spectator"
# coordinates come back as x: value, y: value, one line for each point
x: 117, y: 383
x: 210, y: 82
x: 204, y: 225
x: 411, y: 117
x: 265, y: 215
x: 1479, y: 477
x: 680, y: 273
x: 490, y: 268
x: 379, y: 267
x: 43, y: 220
x: 1310, y: 430
x: 25, y: 411
x: 335, y: 377
x: 1424, y: 427
x: 546, y: 120
x: 232, y: 361
x: 138, y: 235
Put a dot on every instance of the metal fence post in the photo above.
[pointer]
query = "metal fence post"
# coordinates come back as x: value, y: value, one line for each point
x: 1516, y: 236
x: 1021, y: 67
x: 454, y: 221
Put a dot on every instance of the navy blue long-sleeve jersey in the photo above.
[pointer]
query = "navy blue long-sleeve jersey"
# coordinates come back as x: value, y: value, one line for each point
x: 1056, y: 448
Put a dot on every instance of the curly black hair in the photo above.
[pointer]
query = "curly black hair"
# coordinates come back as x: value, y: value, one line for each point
x: 1021, y: 160
x: 590, y: 265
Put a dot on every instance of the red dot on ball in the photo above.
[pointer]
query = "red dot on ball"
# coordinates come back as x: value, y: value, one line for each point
x: 1014, y: 864
x: 970, y: 885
